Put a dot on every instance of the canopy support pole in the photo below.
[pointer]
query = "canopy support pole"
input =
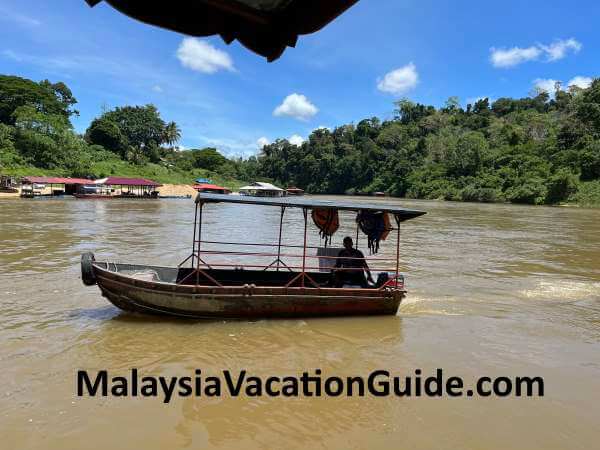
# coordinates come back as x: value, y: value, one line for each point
x: 278, y: 260
x: 279, y: 243
x: 305, y: 214
x: 194, y: 239
x: 397, y: 247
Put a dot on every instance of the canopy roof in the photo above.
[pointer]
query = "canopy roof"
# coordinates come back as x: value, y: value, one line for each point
x: 266, y: 27
x: 260, y: 186
x: 213, y: 187
x: 115, y: 181
x: 311, y: 203
x: 57, y: 180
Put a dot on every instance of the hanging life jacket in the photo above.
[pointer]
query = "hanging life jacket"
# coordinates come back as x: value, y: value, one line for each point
x: 327, y: 221
x: 376, y: 225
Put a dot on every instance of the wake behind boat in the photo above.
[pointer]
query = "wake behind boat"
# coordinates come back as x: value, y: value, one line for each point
x: 334, y: 287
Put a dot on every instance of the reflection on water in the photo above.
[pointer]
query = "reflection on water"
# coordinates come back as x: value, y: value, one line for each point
x: 493, y: 290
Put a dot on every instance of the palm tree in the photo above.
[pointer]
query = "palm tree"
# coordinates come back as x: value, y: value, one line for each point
x: 171, y: 133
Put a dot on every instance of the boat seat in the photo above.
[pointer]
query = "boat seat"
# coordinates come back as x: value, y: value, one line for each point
x: 326, y: 264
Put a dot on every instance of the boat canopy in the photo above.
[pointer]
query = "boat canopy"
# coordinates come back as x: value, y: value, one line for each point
x: 266, y: 27
x: 120, y: 181
x: 260, y: 186
x: 311, y: 203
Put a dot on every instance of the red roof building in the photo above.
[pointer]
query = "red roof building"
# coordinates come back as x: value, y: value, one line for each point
x: 121, y: 181
x: 56, y: 180
x: 213, y: 188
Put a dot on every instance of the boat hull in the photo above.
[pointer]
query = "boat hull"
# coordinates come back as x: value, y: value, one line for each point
x: 238, y: 302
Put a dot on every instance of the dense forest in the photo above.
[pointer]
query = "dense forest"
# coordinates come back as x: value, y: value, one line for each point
x: 541, y: 149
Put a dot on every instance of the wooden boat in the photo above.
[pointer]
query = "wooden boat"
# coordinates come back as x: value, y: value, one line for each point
x: 94, y: 196
x: 218, y: 290
x: 293, y: 190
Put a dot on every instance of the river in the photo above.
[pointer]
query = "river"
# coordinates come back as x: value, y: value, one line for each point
x: 494, y: 290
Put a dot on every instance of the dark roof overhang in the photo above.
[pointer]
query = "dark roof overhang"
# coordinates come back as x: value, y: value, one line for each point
x: 266, y: 27
x: 312, y: 203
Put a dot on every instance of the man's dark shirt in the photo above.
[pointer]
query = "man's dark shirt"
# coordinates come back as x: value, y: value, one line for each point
x: 344, y: 261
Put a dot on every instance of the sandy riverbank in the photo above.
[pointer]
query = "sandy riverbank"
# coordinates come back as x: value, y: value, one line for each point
x: 9, y: 194
x: 176, y: 189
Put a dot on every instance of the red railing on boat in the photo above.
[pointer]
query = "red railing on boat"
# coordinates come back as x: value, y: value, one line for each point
x: 199, y: 264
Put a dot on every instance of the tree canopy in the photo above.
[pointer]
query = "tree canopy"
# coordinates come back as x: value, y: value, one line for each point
x: 531, y: 150
x: 44, y: 97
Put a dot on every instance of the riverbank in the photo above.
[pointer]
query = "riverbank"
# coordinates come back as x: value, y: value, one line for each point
x: 164, y: 190
x: 116, y: 167
x: 176, y: 189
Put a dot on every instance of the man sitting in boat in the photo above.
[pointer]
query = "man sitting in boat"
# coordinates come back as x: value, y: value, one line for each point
x: 354, y: 264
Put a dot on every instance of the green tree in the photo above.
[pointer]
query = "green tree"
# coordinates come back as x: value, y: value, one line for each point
x: 171, y: 134
x: 44, y: 97
x: 141, y: 126
x: 106, y: 133
x: 209, y: 159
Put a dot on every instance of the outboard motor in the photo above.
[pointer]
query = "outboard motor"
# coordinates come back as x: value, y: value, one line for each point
x: 382, y: 278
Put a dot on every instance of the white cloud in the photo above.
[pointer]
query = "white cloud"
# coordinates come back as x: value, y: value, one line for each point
x: 510, y: 57
x: 230, y: 146
x: 157, y: 88
x: 296, y: 106
x: 400, y: 80
x: 322, y: 127
x: 579, y: 81
x: 296, y: 139
x: 559, y: 49
x: 262, y: 141
x: 513, y: 56
x: 16, y: 17
x: 546, y: 84
x: 202, y: 57
x: 12, y: 55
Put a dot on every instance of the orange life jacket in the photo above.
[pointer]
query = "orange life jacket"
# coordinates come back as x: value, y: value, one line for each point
x: 327, y: 221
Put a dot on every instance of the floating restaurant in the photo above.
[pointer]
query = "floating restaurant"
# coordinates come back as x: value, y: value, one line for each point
x: 119, y: 187
x: 262, y: 189
x: 110, y: 187
x: 49, y: 186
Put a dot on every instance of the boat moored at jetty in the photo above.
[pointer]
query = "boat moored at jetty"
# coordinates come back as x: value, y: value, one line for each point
x: 262, y: 189
x: 197, y: 288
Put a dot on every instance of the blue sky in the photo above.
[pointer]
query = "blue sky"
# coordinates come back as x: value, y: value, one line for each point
x: 377, y: 52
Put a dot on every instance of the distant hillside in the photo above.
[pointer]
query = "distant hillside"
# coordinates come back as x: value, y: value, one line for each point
x: 541, y: 149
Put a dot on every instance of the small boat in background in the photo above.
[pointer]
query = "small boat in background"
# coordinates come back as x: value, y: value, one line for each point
x: 262, y: 189
x: 293, y: 190
x: 211, y: 188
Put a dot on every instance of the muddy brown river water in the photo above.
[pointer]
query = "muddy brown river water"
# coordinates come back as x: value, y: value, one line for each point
x: 494, y: 290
